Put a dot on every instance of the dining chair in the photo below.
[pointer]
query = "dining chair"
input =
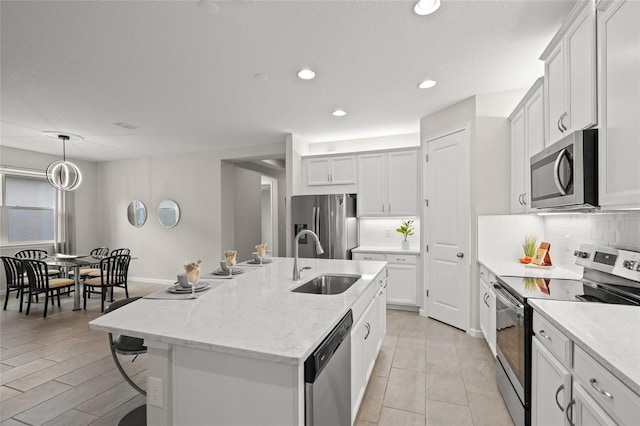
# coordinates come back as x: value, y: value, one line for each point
x: 40, y: 282
x: 15, y: 278
x: 38, y: 255
x: 116, y: 252
x: 113, y: 273
x: 127, y: 345
x: 96, y: 254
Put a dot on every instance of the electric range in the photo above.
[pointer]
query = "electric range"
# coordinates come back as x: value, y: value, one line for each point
x: 610, y: 276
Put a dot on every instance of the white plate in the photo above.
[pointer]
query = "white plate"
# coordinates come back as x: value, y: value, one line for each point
x: 235, y: 271
x: 257, y: 262
x: 177, y: 288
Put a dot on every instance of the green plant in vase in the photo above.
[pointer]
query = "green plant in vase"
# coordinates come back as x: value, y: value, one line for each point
x: 529, y: 246
x: 406, y: 228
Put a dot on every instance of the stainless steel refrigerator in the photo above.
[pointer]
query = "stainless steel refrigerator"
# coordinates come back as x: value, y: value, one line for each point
x: 332, y: 217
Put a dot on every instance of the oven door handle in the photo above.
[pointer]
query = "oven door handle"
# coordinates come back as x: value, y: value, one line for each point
x: 508, y: 299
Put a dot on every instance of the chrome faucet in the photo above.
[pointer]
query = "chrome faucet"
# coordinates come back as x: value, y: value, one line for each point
x: 319, y: 250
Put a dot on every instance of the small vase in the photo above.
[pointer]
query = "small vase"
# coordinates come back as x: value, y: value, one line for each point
x: 404, y: 245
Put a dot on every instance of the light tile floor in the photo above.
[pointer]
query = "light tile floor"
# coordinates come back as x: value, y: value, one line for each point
x: 56, y: 371
x: 428, y: 373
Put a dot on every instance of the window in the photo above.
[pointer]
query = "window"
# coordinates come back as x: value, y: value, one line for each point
x: 28, y: 209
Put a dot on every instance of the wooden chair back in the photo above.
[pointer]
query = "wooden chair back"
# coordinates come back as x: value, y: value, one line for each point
x: 14, y: 272
x: 117, y: 252
x: 32, y: 254
x: 37, y: 273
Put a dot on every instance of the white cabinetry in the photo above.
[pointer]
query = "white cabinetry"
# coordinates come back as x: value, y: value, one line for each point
x: 551, y: 389
x: 329, y: 174
x: 367, y: 334
x: 402, y: 287
x: 570, y: 74
x: 388, y: 183
x: 570, y: 387
x: 619, y: 104
x: 487, y: 303
x: 402, y: 279
x: 527, y: 139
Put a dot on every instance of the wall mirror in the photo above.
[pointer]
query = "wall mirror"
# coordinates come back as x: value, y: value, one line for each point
x: 168, y: 213
x: 137, y: 213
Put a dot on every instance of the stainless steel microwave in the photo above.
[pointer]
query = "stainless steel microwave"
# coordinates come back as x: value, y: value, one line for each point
x: 565, y: 174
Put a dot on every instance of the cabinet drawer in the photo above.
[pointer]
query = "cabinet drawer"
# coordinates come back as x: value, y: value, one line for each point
x: 553, y: 339
x: 369, y: 256
x: 615, y: 397
x: 401, y: 258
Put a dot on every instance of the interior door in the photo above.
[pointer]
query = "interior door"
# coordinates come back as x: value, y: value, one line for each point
x: 447, y: 217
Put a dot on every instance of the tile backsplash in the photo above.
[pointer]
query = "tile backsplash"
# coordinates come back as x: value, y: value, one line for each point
x: 567, y: 232
x: 500, y: 237
x: 381, y: 232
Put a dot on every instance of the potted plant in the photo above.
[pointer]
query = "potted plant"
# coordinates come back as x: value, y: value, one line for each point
x: 529, y: 247
x: 406, y: 229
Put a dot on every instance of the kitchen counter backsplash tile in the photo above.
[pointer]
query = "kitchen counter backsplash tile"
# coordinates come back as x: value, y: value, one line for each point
x: 381, y: 232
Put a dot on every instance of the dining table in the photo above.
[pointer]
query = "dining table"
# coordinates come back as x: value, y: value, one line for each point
x: 74, y: 261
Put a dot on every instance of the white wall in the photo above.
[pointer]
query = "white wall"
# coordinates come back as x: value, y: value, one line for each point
x: 367, y: 144
x: 194, y: 181
x: 248, y: 213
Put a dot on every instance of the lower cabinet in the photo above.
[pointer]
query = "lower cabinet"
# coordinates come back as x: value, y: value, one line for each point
x: 402, y: 279
x: 367, y: 334
x: 569, y: 387
x: 551, y: 390
x: 487, y: 308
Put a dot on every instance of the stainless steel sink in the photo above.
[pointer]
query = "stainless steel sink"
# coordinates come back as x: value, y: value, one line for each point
x: 327, y: 284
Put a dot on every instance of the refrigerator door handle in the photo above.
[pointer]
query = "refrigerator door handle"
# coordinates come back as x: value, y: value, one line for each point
x: 313, y: 220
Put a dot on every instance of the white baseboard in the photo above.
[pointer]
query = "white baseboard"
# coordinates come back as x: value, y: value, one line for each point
x: 151, y: 280
x: 474, y: 332
x: 422, y: 312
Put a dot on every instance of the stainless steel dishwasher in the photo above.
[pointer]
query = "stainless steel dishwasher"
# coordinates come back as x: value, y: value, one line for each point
x: 327, y: 377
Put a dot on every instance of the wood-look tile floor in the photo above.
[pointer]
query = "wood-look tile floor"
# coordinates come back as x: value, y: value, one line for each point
x: 428, y: 373
x: 56, y: 371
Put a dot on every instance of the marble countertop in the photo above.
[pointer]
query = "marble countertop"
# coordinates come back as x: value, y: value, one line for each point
x: 609, y: 333
x: 255, y: 314
x: 517, y: 269
x: 394, y: 250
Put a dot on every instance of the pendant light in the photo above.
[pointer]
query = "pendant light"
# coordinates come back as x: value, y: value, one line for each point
x: 63, y: 174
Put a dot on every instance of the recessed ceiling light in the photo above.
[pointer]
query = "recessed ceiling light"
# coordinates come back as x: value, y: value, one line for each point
x: 426, y: 7
x: 427, y: 84
x: 261, y: 77
x: 306, y: 74
x: 338, y: 113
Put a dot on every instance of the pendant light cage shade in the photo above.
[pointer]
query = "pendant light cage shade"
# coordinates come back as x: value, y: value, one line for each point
x: 62, y: 174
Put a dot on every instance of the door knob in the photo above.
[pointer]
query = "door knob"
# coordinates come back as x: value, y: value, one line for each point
x: 460, y: 255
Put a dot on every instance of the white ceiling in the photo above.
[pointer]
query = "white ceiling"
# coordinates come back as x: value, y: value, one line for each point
x: 185, y: 78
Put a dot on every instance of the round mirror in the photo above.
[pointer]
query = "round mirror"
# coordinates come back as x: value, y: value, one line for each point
x: 137, y: 213
x: 168, y: 213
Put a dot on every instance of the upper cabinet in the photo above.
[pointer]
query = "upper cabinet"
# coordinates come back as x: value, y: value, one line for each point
x: 619, y: 104
x: 331, y: 170
x: 329, y: 174
x: 388, y: 183
x: 570, y: 75
x: 527, y: 139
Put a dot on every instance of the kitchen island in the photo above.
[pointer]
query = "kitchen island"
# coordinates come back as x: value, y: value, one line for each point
x: 236, y: 354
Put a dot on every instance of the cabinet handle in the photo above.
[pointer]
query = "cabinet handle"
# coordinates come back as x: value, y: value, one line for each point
x: 542, y: 334
x: 382, y: 208
x: 557, y: 403
x: 389, y: 207
x: 520, y: 199
x: 562, y: 121
x: 366, y: 324
x: 485, y: 301
x: 560, y: 128
x: 567, y: 410
x: 593, y: 382
x: 380, y: 294
x: 366, y: 258
x: 524, y: 199
x: 400, y: 259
